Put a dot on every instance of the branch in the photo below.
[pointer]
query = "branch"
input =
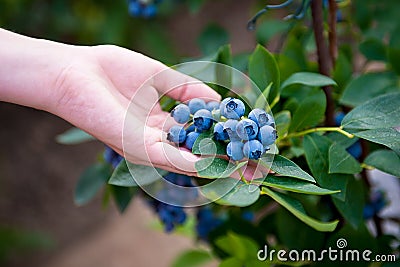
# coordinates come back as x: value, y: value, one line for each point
x: 332, y: 31
x: 324, y: 60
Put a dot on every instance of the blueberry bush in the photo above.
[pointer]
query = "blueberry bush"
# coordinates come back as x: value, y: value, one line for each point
x: 323, y: 110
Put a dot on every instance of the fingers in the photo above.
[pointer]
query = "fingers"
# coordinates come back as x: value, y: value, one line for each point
x: 182, y: 87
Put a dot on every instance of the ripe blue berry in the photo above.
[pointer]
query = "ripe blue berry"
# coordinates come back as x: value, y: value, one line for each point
x: 202, y: 120
x: 149, y: 11
x: 112, y: 157
x: 232, y: 108
x: 176, y: 134
x: 191, y: 128
x: 230, y: 129
x: 219, y: 133
x: 190, y: 139
x: 247, y: 129
x: 212, y: 105
x: 235, y: 150
x: 253, y: 149
x: 261, y: 117
x: 196, y: 104
x: 181, y: 113
x: 207, y: 221
x: 267, y: 135
x: 135, y: 9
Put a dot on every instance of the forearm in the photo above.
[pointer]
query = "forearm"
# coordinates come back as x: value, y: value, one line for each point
x: 29, y: 69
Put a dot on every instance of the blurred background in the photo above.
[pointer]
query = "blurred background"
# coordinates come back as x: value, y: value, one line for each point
x: 39, y: 223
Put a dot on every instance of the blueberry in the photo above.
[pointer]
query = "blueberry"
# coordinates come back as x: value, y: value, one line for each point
x: 247, y: 129
x: 135, y: 9
x: 176, y: 134
x: 232, y: 108
x: 190, y: 139
x: 196, y: 104
x: 235, y: 150
x: 261, y: 117
x: 181, y: 113
x: 230, y: 129
x: 339, y: 117
x: 355, y: 150
x: 219, y: 133
x: 207, y: 221
x: 253, y: 149
x: 202, y: 119
x: 149, y: 11
x: 112, y: 157
x: 212, y: 105
x: 190, y: 129
x: 267, y: 135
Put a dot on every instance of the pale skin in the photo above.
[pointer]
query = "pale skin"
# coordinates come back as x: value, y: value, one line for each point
x: 92, y: 87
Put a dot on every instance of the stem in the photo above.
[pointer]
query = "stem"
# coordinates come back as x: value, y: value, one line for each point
x: 324, y: 60
x: 332, y: 31
x: 320, y: 129
x: 242, y: 176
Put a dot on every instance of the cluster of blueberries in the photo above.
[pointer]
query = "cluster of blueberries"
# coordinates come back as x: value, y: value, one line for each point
x: 143, y: 8
x: 377, y: 201
x: 247, y: 137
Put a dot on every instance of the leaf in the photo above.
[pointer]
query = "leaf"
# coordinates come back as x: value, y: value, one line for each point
x: 211, y: 38
x: 74, y: 136
x: 90, y: 182
x: 368, y: 86
x: 231, y: 262
x: 239, y: 246
x: 205, y: 145
x: 195, y: 5
x: 297, y: 209
x: 310, y: 111
x: 373, y: 49
x: 342, y: 71
x: 192, y: 257
x: 394, y: 50
x: 384, y: 160
x: 295, y: 185
x: 228, y: 191
x: 223, y: 74
x: 340, y: 161
x: 266, y: 30
x: 385, y: 136
x: 122, y: 196
x: 286, y: 167
x: 316, y: 149
x: 282, y: 121
x: 143, y: 175
x: 263, y: 70
x: 216, y: 167
x: 381, y: 112
x: 309, y: 79
x: 352, y: 207
x: 261, y: 101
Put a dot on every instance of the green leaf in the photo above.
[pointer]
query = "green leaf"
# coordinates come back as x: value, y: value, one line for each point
x: 373, y: 49
x: 205, y: 145
x: 193, y: 257
x: 394, y: 50
x: 231, y: 262
x: 263, y: 70
x: 228, y: 191
x: 212, y: 37
x: 216, y: 167
x: 309, y: 79
x: 295, y: 185
x: 267, y: 29
x: 74, y: 136
x: 352, y: 207
x: 90, y: 182
x: 342, y: 71
x: 282, y: 121
x: 286, y: 167
x: 122, y: 196
x: 384, y: 160
x: 240, y: 247
x: 310, y: 111
x: 261, y: 101
x: 368, y: 86
x: 340, y: 161
x: 385, y: 136
x: 143, y: 175
x: 297, y: 209
x: 316, y: 149
x: 380, y: 112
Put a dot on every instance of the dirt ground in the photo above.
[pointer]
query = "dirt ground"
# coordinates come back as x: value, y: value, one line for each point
x: 38, y: 176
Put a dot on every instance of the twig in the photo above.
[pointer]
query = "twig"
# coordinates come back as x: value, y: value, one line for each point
x: 324, y: 61
x: 332, y: 31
